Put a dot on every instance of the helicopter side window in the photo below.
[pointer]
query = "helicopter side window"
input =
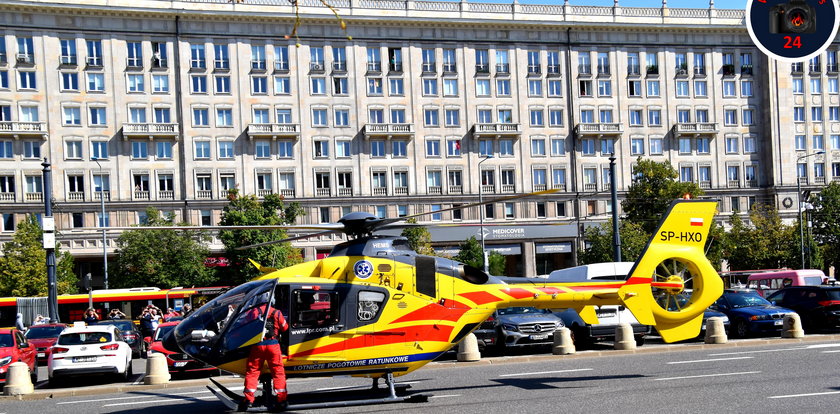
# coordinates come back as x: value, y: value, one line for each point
x: 314, y: 308
x: 370, y: 303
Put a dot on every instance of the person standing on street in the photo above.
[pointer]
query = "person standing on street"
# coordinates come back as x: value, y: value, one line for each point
x: 267, y: 350
x: 19, y: 323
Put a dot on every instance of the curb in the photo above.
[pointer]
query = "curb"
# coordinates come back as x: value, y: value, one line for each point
x: 43, y: 394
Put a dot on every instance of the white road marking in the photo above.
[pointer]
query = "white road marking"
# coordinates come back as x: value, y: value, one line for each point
x: 445, y: 396
x: 830, y: 352
x: 708, y: 375
x: 806, y: 395
x: 523, y: 374
x: 708, y: 360
x: 799, y: 348
x: 126, y: 398
x: 823, y: 346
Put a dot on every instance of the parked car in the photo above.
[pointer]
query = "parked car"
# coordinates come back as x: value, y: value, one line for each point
x: 178, y: 362
x: 15, y: 348
x: 609, y: 316
x: 92, y: 349
x: 520, y: 326
x: 818, y: 306
x: 750, y: 313
x: 767, y: 283
x: 131, y: 335
x: 486, y: 333
x: 43, y: 337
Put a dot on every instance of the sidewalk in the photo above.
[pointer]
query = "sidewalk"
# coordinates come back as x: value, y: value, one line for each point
x: 138, y: 386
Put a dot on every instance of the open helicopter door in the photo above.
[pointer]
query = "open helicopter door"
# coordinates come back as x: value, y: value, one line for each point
x: 316, y: 313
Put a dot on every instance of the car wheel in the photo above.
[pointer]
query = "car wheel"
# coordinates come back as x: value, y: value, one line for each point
x: 129, y: 371
x: 54, y: 382
x: 581, y: 340
x: 741, y: 329
x: 501, y: 348
x: 640, y: 340
x: 34, y: 375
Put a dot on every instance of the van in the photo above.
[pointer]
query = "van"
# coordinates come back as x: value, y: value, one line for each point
x: 768, y: 283
x: 609, y: 316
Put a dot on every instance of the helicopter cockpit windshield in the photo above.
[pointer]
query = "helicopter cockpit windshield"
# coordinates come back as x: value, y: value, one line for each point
x: 227, y: 322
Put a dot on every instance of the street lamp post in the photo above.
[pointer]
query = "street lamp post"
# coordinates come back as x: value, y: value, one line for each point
x: 481, y: 214
x: 799, y: 206
x: 102, y: 221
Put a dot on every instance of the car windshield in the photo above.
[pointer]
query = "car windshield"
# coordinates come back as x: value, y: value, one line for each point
x: 40, y: 332
x: 162, y: 331
x: 6, y: 340
x: 81, y: 338
x: 521, y: 311
x: 124, y: 326
x: 740, y: 300
x: 833, y: 294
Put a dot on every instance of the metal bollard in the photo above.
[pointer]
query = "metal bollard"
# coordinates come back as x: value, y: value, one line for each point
x: 468, y: 349
x: 792, y: 327
x: 715, y: 332
x: 156, y: 370
x: 563, y: 344
x: 18, y: 381
x: 624, y: 337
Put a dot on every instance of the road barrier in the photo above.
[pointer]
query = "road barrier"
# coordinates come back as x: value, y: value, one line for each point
x: 715, y: 332
x: 468, y: 349
x: 156, y: 370
x: 18, y: 381
x: 563, y: 344
x: 792, y: 327
x: 624, y: 337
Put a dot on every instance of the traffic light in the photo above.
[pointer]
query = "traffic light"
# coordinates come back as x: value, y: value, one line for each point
x: 87, y: 282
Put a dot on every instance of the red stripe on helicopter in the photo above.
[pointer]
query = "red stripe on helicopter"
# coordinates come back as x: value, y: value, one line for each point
x: 480, y: 297
x: 434, y: 312
x: 518, y: 293
x: 550, y: 290
x: 434, y: 333
x: 597, y: 287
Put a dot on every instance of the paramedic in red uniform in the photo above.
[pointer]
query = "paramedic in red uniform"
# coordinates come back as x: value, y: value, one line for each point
x: 267, y: 350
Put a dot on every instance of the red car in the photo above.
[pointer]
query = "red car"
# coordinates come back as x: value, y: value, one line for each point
x: 14, y: 348
x: 43, y: 337
x: 178, y: 363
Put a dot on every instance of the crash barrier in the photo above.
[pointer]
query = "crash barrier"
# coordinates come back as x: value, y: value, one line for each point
x: 18, y: 381
x: 156, y: 370
x: 792, y: 327
x: 563, y: 344
x: 715, y: 332
x: 468, y: 349
x: 624, y: 337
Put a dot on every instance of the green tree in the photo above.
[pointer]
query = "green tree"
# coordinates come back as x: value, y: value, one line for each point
x: 161, y: 258
x: 419, y: 238
x: 247, y: 210
x: 23, y: 264
x: 600, y: 240
x: 766, y: 243
x: 826, y: 223
x: 471, y: 254
x: 653, y: 189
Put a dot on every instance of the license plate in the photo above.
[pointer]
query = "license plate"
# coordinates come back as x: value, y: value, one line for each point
x: 605, y: 314
x: 777, y: 323
x: 84, y: 359
x: 41, y: 354
x: 538, y: 337
x: 180, y: 364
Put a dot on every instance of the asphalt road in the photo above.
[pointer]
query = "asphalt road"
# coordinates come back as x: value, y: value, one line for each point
x: 775, y: 376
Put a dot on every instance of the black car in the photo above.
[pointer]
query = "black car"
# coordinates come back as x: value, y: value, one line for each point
x: 130, y: 333
x: 818, y: 306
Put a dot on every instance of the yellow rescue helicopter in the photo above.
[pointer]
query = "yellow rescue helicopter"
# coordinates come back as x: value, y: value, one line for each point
x: 375, y: 308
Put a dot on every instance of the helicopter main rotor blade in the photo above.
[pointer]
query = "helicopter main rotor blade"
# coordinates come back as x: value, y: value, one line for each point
x: 302, y: 236
x: 323, y: 227
x: 463, y: 206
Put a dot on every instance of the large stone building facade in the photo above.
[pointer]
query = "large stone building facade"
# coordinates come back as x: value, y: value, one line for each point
x: 419, y: 106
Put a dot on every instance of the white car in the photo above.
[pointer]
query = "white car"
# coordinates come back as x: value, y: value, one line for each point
x: 94, y: 349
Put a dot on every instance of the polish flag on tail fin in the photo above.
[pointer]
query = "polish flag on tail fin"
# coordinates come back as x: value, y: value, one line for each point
x: 696, y: 221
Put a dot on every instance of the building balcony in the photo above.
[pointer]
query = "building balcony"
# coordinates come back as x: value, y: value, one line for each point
x: 33, y: 197
x: 150, y: 130
x: 141, y: 195
x: 262, y: 192
x: 435, y: 190
x: 401, y: 191
x: 273, y: 131
x: 389, y: 130
x: 590, y: 187
x: 488, y: 188
x: 380, y: 191
x: 599, y: 129
x: 509, y: 188
x: 507, y: 130
x: 449, y: 68
x: 322, y: 192
x: 204, y: 194
x: 76, y: 196
x: 456, y: 189
x: 17, y: 129
x: 345, y: 192
x: 561, y: 187
x: 695, y: 128
x: 705, y: 185
x: 97, y: 195
x: 166, y: 195
x: 7, y: 196
x: 281, y: 66
x: 733, y: 183
x: 819, y: 180
x: 537, y: 187
x: 287, y: 192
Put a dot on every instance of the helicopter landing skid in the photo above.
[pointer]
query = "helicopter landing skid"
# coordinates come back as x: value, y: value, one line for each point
x: 232, y: 400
